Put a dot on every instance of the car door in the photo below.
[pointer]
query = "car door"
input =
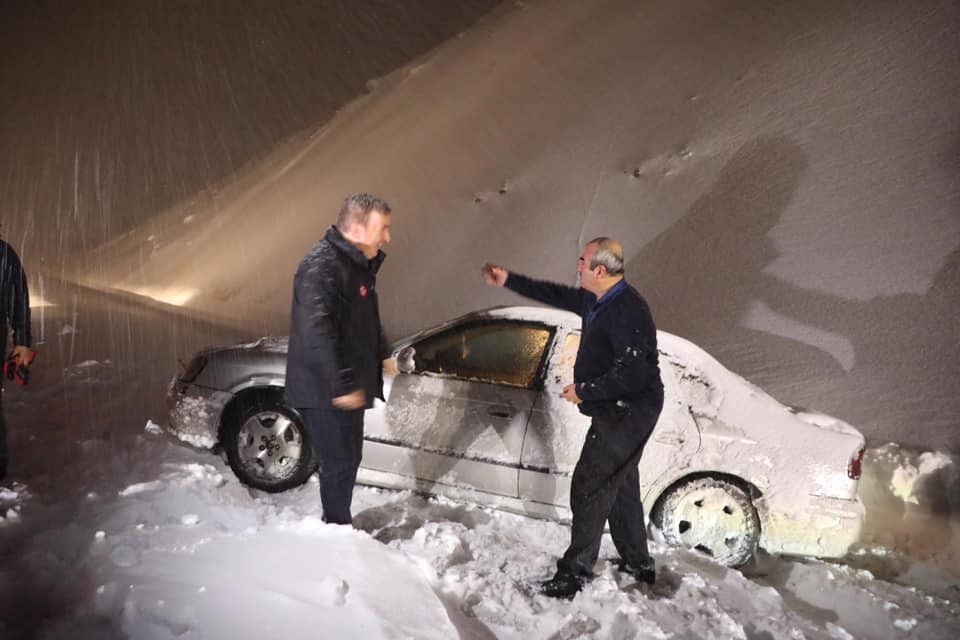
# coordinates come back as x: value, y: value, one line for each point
x: 461, y: 414
x: 557, y: 429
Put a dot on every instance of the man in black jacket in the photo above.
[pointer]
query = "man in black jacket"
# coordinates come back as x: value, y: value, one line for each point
x: 617, y: 383
x: 15, y: 314
x: 336, y: 344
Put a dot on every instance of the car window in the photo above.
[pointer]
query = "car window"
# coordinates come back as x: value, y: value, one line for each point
x: 563, y: 364
x: 503, y: 352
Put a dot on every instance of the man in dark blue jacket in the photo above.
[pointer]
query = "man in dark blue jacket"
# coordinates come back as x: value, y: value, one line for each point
x: 337, y: 345
x: 15, y: 315
x: 617, y: 383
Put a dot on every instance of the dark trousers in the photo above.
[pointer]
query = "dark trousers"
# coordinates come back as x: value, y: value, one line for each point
x: 606, y: 486
x: 337, y: 438
x: 3, y: 438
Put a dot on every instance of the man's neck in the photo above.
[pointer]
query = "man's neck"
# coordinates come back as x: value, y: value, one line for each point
x: 606, y: 285
x: 353, y: 239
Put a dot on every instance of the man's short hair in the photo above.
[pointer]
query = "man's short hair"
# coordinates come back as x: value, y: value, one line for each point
x: 609, y: 254
x: 357, y: 207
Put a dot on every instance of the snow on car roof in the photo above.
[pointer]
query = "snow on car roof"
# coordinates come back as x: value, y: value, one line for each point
x: 678, y: 349
x: 538, y: 314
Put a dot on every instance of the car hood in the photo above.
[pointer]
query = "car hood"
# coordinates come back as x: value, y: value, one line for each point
x: 268, y: 344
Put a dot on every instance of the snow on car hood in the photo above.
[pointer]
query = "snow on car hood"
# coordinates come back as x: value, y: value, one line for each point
x: 273, y: 344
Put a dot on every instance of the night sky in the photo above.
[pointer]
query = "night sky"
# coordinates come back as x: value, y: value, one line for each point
x: 113, y: 110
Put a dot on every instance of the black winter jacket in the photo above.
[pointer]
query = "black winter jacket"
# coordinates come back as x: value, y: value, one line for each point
x: 336, y: 340
x: 617, y: 362
x: 14, y: 297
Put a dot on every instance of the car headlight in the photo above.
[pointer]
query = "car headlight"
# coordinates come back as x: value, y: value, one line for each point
x: 193, y: 369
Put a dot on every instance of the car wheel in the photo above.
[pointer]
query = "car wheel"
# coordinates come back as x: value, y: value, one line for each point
x: 267, y: 446
x: 711, y: 515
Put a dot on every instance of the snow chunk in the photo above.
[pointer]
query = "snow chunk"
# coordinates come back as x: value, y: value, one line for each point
x: 903, y: 484
x: 140, y: 487
x: 193, y: 418
x: 905, y: 624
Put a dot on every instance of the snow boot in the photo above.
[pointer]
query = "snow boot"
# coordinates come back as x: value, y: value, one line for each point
x: 562, y: 585
x: 646, y: 572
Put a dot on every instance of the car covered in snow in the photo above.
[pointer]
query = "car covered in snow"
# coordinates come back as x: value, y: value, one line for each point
x: 474, y: 413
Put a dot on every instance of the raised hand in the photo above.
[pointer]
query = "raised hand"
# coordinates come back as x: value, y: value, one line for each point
x: 494, y: 275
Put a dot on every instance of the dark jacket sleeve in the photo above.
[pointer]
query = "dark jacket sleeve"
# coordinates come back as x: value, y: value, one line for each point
x: 383, y: 349
x: 16, y: 296
x: 550, y: 293
x: 633, y: 365
x: 319, y: 293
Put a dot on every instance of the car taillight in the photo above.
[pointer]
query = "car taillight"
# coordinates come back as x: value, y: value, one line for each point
x: 193, y: 369
x: 855, y: 466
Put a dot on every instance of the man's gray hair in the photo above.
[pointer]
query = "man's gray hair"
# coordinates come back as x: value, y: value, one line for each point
x: 357, y: 207
x: 609, y: 254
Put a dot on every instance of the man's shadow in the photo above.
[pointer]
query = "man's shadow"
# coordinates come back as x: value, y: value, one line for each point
x: 702, y: 274
x: 704, y: 280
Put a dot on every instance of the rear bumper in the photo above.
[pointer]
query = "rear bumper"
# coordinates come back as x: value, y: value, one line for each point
x: 826, y: 527
x: 194, y: 412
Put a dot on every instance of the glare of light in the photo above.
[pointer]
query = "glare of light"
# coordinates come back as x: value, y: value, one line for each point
x: 176, y: 297
x: 36, y: 302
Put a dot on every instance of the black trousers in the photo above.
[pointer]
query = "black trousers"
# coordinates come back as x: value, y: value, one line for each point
x: 3, y: 437
x: 606, y: 486
x: 337, y: 438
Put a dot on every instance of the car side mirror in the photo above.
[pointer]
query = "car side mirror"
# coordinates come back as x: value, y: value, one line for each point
x: 405, y: 360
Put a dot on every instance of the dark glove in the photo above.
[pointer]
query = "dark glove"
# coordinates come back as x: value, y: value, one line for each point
x: 16, y: 369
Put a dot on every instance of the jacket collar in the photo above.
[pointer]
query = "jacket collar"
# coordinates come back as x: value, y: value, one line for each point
x: 607, y: 298
x: 351, y: 251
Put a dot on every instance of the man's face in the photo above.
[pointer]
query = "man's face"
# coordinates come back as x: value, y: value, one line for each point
x: 588, y: 276
x: 374, y: 234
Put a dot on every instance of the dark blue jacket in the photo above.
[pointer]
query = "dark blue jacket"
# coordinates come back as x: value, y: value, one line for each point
x: 336, y: 341
x: 617, y: 361
x: 14, y: 297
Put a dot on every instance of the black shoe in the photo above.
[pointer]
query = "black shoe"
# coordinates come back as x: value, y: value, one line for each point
x: 562, y: 585
x: 647, y: 572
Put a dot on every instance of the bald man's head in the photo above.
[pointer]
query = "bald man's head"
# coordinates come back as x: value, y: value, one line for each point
x: 609, y: 253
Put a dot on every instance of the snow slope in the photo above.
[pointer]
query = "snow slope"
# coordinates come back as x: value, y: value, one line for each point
x: 783, y: 177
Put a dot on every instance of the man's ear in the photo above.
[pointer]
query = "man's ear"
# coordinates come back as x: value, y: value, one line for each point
x: 353, y: 229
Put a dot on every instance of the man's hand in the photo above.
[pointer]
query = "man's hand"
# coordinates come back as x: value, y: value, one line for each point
x: 494, y: 274
x: 353, y: 400
x: 390, y: 367
x: 25, y: 353
x: 17, y: 365
x: 570, y: 394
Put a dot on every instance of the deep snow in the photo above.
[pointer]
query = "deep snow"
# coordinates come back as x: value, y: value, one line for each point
x: 112, y: 529
x: 785, y: 181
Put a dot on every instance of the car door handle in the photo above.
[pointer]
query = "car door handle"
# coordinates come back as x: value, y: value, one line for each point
x: 498, y: 413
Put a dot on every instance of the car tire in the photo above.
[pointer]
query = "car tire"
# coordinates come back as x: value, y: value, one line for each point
x: 710, y: 515
x: 267, y: 446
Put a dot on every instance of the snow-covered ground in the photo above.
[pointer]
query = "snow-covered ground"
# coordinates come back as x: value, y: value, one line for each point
x: 784, y: 177
x: 111, y: 529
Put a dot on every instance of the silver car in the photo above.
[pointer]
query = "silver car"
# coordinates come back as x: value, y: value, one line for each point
x: 475, y: 414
